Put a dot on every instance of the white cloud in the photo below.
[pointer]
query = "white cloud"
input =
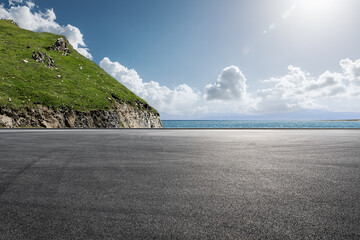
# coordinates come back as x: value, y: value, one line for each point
x: 30, y: 4
x: 12, y: 2
x: 182, y: 100
x: 231, y: 84
x: 351, y: 70
x: 295, y: 91
x: 298, y: 90
x: 3, y: 13
x: 287, y: 95
x: 327, y: 85
x: 39, y: 21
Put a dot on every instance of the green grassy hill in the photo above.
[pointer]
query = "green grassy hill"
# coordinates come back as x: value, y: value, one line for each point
x: 73, y: 82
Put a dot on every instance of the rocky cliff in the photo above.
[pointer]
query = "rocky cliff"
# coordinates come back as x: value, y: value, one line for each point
x: 46, y: 83
x: 123, y: 116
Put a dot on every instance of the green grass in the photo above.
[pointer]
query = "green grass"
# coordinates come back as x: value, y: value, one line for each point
x: 32, y: 83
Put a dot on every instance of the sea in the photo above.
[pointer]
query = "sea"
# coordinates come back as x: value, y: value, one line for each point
x: 258, y: 124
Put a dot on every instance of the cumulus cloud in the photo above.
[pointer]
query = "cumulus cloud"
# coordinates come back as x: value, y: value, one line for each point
x: 351, y: 70
x: 230, y: 85
x: 24, y: 15
x: 298, y: 90
x: 287, y: 95
x: 12, y: 2
x: 182, y: 100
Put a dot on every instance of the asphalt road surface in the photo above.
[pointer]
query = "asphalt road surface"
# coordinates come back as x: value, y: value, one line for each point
x: 180, y: 184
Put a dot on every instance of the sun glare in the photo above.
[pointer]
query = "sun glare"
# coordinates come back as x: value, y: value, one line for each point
x: 318, y: 8
x: 319, y: 13
x: 318, y: 3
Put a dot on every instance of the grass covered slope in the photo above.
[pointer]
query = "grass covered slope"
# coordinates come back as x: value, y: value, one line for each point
x: 74, y: 82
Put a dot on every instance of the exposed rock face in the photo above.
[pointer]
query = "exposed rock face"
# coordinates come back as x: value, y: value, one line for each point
x: 60, y: 45
x: 43, y: 58
x: 124, y: 116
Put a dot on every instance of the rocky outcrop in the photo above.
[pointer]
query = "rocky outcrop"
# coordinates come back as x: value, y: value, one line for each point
x: 123, y: 116
x: 46, y: 83
x: 61, y: 45
x: 43, y: 58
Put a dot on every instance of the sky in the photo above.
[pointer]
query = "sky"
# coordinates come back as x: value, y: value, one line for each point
x: 207, y: 59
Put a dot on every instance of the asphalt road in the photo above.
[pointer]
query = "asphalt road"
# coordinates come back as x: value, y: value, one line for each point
x: 180, y: 184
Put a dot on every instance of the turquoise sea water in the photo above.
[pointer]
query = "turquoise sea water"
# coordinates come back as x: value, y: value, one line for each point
x: 258, y: 124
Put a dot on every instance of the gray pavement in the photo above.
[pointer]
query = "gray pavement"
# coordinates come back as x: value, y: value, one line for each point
x: 180, y: 184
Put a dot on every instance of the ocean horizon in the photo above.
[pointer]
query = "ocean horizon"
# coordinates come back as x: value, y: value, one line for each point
x: 263, y: 124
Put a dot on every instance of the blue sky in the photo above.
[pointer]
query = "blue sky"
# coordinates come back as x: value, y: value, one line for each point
x: 220, y: 52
